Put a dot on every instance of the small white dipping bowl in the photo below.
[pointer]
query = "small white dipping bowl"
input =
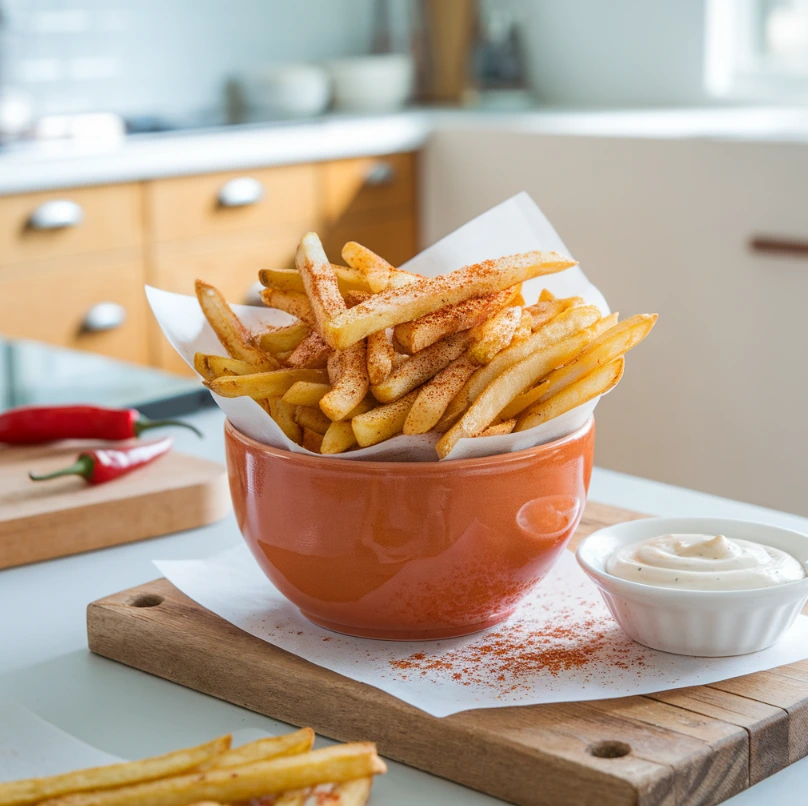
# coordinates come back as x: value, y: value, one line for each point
x: 687, y: 622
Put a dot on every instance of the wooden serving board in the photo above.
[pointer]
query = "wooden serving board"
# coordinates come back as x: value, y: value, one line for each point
x: 42, y: 520
x: 699, y: 745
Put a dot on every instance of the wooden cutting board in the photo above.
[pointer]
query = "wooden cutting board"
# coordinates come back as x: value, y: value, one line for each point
x: 699, y: 745
x: 42, y: 520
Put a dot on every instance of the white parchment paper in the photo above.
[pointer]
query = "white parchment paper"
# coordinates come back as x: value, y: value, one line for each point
x: 30, y: 747
x: 561, y: 645
x: 516, y: 225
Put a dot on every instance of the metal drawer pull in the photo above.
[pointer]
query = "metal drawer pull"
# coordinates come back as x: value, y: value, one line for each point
x: 56, y: 214
x: 379, y: 174
x: 773, y: 245
x: 104, y: 316
x: 241, y: 192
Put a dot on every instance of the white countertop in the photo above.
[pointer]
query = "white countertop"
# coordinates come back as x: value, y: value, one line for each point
x: 45, y: 664
x: 34, y: 167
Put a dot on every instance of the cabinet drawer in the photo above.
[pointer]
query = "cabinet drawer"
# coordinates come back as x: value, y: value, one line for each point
x: 395, y: 238
x: 366, y: 186
x: 38, y: 226
x: 62, y: 302
x: 229, y: 262
x: 196, y: 206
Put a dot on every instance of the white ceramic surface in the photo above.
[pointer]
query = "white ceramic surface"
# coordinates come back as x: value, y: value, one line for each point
x: 687, y: 622
x: 378, y: 83
x: 288, y: 91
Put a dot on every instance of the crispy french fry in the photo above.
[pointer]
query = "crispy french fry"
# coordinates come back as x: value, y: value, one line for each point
x: 291, y: 280
x: 576, y: 394
x: 311, y: 353
x: 350, y: 382
x: 348, y: 793
x: 344, y: 762
x: 420, y: 333
x: 363, y: 406
x: 214, y: 366
x: 611, y: 344
x: 383, y: 422
x: 396, y: 305
x: 507, y: 385
x: 564, y: 325
x: 235, y: 338
x: 283, y: 414
x: 355, y: 297
x: 301, y: 741
x: 292, y: 302
x: 498, y: 429
x: 34, y: 790
x: 380, y: 355
x: 312, y: 441
x: 546, y: 295
x: 319, y: 280
x: 521, y: 402
x: 435, y: 395
x: 544, y: 312
x: 378, y: 272
x: 494, y: 335
x: 524, y: 328
x: 338, y: 438
x: 279, y: 339
x: 312, y: 417
x: 264, y: 384
x: 305, y: 393
x: 420, y: 367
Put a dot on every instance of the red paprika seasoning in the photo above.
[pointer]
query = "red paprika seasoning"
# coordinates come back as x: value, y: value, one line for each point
x: 105, y: 464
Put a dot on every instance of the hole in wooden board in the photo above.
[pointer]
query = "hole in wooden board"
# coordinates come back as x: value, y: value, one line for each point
x: 146, y: 600
x: 609, y: 749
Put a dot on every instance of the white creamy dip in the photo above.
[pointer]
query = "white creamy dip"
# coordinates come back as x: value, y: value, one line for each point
x: 705, y: 563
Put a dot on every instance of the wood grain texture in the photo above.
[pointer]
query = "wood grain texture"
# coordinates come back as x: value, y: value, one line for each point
x: 39, y: 521
x: 694, y: 746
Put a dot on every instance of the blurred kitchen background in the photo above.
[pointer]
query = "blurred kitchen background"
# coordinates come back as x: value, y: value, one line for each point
x: 145, y: 142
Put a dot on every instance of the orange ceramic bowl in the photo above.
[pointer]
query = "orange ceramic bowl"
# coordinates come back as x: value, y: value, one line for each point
x: 408, y: 551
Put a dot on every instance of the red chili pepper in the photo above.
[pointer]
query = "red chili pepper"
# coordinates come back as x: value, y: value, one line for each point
x: 106, y: 464
x: 29, y: 425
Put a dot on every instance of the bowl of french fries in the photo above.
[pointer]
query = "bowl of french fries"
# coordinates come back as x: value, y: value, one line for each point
x: 373, y: 355
x: 277, y: 770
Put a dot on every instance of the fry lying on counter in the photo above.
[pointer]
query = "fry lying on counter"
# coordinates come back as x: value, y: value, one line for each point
x: 277, y: 771
x: 375, y: 351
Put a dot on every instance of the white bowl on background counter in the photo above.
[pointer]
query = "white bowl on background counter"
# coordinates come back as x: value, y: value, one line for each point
x: 692, y: 622
x: 378, y: 83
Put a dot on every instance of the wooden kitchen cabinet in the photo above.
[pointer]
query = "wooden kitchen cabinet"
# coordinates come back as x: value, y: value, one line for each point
x: 395, y: 239
x: 59, y: 302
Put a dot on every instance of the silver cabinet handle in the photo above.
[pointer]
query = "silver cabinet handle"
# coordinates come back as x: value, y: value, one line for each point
x: 379, y: 174
x: 56, y: 214
x: 104, y: 316
x: 240, y: 192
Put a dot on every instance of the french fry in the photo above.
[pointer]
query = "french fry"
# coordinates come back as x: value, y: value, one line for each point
x: 280, y: 339
x: 508, y: 384
x: 546, y: 295
x: 350, y: 382
x: 312, y: 417
x: 494, y: 335
x: 383, y: 422
x: 301, y: 741
x: 292, y: 302
x: 264, y: 384
x: 524, y: 328
x: 396, y: 305
x: 311, y: 353
x: 305, y: 393
x: 435, y: 395
x: 544, y: 312
x: 320, y: 281
x: 291, y: 280
x: 283, y: 414
x: 213, y: 366
x: 231, y: 333
x: 312, y: 441
x: 338, y: 438
x: 34, y: 790
x: 576, y: 394
x: 337, y: 764
x: 363, y: 406
x: 355, y: 297
x: 611, y: 344
x: 380, y: 355
x: 420, y: 367
x: 378, y: 272
x: 564, y: 325
x: 498, y: 429
x: 420, y: 333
